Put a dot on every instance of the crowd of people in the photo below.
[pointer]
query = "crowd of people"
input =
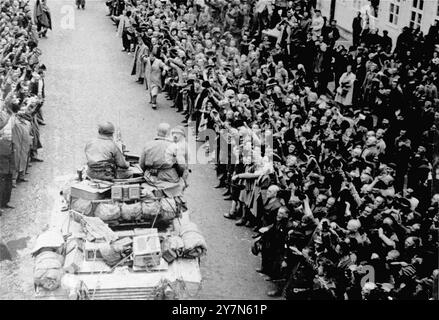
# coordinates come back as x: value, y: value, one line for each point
x: 21, y: 91
x: 338, y: 182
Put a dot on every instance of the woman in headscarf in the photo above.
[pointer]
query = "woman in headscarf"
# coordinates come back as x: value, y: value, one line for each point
x: 42, y: 17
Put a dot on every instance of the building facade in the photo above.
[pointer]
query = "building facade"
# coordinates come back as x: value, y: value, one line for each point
x: 390, y: 15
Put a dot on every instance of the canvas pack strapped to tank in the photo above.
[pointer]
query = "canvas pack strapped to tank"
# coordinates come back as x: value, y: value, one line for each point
x: 107, y: 211
x: 150, y: 209
x: 48, y: 270
x: 131, y: 212
x: 110, y: 253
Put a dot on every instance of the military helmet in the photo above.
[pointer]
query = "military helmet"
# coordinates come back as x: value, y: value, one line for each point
x: 106, y: 128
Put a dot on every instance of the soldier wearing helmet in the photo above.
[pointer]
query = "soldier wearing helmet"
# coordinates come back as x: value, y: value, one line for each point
x: 104, y: 158
x: 160, y: 162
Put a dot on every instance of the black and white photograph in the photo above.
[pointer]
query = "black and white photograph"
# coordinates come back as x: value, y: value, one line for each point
x: 220, y: 150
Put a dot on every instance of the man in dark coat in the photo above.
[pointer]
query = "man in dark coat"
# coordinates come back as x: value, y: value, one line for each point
x: 357, y: 28
x: 331, y: 34
x: 270, y: 206
x: 273, y: 252
x: 322, y: 68
x: 6, y: 160
x: 42, y: 17
x: 386, y: 41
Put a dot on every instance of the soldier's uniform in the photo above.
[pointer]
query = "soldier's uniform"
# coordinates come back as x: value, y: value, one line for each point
x: 159, y: 162
x: 104, y: 158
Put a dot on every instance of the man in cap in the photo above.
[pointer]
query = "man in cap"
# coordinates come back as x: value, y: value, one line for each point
x: 105, y: 159
x: 159, y: 162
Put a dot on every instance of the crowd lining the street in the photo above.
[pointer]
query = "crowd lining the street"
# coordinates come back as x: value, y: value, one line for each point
x: 346, y: 191
x: 21, y: 91
x: 349, y: 194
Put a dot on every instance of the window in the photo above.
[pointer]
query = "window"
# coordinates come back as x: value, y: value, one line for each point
x: 418, y: 4
x: 416, y: 14
x: 415, y: 20
x: 394, y: 12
